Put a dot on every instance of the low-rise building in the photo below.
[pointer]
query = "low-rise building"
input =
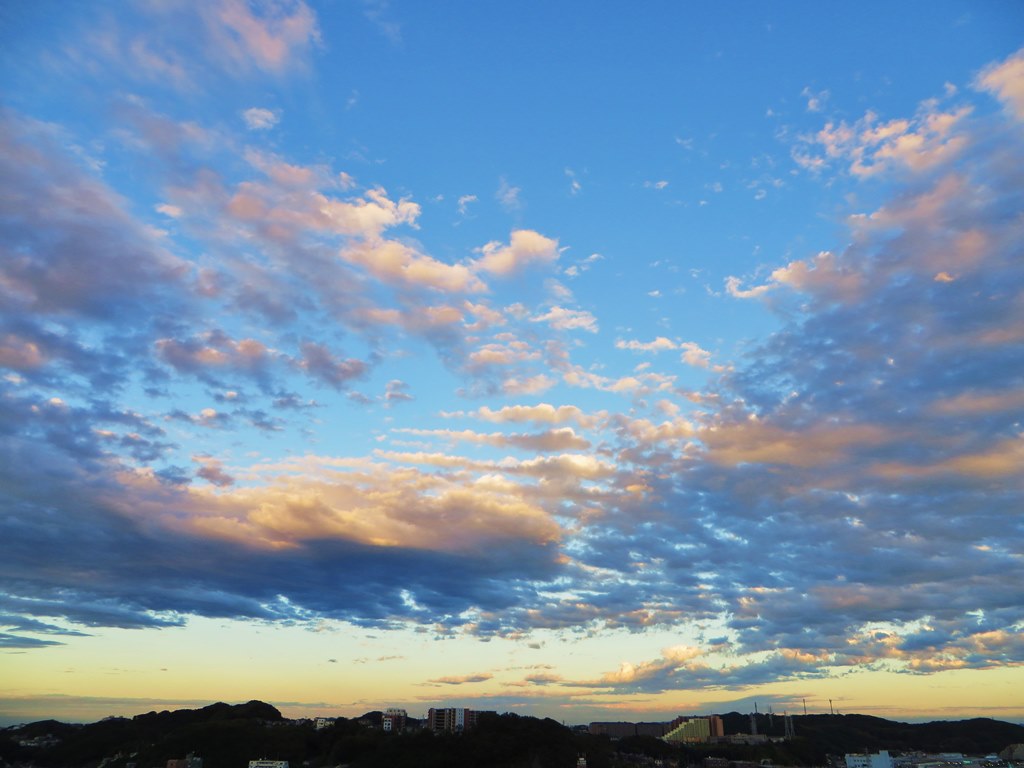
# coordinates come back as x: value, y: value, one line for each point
x: 867, y: 760
x: 741, y: 738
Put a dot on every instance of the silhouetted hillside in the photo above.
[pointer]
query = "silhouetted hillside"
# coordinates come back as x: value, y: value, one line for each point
x: 228, y: 736
x: 840, y: 734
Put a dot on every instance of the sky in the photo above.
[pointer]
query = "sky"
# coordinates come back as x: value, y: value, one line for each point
x: 592, y: 361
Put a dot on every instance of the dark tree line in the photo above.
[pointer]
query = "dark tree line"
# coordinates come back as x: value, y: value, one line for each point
x: 227, y: 736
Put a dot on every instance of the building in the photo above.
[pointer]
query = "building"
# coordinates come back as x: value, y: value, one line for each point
x: 614, y: 730
x: 394, y: 719
x: 657, y: 730
x: 695, y: 730
x: 741, y: 738
x: 453, y: 719
x: 692, y: 730
x: 878, y: 760
x: 717, y: 726
x: 190, y: 761
x: 324, y: 722
x: 268, y: 764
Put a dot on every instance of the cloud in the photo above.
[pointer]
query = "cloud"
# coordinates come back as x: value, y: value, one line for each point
x: 396, y: 263
x: 631, y: 675
x: 163, y: 65
x: 216, y: 351
x: 171, y: 211
x: 815, y: 100
x: 462, y: 679
x: 693, y: 353
x: 185, y: 47
x: 574, y: 185
x: 485, y: 316
x: 508, y: 196
x: 320, y: 363
x: 577, y: 269
x: 642, y: 383
x: 377, y: 12
x: 8, y: 640
x: 869, y: 147
x: 561, y: 439
x: 543, y: 413
x: 564, y: 319
x: 500, y: 354
x: 364, y: 217
x: 260, y: 119
x: 879, y: 334
x: 659, y: 344
x: 396, y: 391
x: 212, y: 471
x: 335, y: 525
x: 530, y: 385
x: 272, y: 38
x: 464, y: 202
x: 867, y: 448
x: 1005, y: 79
x: 525, y: 249
x: 825, y: 275
x: 75, y: 251
x: 732, y: 286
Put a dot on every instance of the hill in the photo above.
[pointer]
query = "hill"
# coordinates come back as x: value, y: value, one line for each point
x: 840, y: 734
x: 228, y: 736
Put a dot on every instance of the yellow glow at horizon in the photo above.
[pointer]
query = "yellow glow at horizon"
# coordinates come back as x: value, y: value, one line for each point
x: 217, y: 660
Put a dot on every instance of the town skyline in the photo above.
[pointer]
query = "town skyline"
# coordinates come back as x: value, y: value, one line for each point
x: 546, y: 358
x: 439, y: 716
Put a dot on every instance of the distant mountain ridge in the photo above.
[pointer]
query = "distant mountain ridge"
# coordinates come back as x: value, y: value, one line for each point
x: 228, y: 736
x: 859, y: 733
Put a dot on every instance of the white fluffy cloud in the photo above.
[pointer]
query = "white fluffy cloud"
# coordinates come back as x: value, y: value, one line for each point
x: 525, y: 248
x: 568, y: 319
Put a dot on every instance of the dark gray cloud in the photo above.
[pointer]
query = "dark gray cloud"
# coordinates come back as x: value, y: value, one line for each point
x: 8, y: 640
x: 73, y: 550
x: 319, y: 362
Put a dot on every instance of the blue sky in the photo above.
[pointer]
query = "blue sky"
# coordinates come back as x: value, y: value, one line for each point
x: 566, y: 359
